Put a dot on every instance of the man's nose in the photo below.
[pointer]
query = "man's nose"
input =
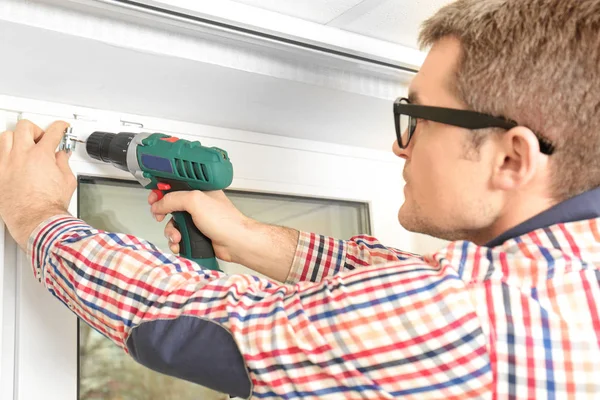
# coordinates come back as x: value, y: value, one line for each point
x: 402, y: 153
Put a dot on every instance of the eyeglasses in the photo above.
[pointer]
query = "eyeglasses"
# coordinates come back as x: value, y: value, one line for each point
x: 406, y: 116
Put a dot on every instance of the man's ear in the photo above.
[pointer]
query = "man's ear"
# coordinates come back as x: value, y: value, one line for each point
x: 517, y: 159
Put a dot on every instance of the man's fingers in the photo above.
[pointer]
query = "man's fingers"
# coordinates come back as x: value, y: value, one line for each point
x: 62, y: 160
x: 174, y: 248
x: 152, y: 198
x: 175, y: 201
x: 27, y: 133
x: 171, y: 233
x: 6, y: 143
x: 53, y: 135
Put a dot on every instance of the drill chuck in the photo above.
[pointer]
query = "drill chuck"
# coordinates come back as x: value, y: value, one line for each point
x: 110, y: 147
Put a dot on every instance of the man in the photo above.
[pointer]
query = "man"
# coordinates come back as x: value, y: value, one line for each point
x: 501, y: 137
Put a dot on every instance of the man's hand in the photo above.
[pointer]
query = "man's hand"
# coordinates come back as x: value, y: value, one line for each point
x: 37, y: 182
x: 264, y: 248
x: 213, y: 213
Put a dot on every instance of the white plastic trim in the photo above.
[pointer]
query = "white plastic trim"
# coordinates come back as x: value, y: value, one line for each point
x: 8, y: 298
x: 269, y: 22
x: 20, y: 105
x: 155, y: 34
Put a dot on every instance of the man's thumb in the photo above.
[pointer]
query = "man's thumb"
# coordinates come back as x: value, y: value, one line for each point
x: 174, y: 201
x: 62, y: 160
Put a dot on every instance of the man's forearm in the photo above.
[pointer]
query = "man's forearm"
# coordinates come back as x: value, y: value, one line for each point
x: 291, y: 256
x: 267, y: 249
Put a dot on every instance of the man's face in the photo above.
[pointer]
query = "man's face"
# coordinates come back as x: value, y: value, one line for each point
x: 447, y: 181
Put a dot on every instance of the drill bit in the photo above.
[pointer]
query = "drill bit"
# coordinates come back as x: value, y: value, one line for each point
x: 69, y: 141
x: 73, y: 139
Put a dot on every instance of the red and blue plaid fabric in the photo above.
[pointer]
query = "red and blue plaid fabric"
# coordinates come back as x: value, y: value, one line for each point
x: 356, y: 319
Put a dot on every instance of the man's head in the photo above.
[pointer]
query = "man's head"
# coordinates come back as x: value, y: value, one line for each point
x: 536, y: 62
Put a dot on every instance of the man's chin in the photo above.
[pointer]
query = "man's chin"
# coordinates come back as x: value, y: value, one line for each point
x: 407, y: 219
x: 410, y: 219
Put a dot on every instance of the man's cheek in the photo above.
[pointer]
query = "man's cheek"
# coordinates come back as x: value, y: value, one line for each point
x: 433, y: 189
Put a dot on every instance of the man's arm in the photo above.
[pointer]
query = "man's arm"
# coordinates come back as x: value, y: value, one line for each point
x: 369, y: 332
x: 290, y: 256
x: 281, y: 253
x: 318, y: 257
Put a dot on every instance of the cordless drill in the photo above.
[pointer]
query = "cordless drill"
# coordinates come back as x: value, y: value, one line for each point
x: 166, y: 164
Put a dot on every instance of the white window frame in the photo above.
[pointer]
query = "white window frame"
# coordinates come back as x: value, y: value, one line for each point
x: 8, y: 296
x: 45, y: 331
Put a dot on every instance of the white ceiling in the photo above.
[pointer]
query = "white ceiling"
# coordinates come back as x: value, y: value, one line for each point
x: 395, y: 21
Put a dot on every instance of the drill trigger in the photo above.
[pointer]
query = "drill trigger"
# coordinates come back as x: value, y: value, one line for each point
x: 163, y: 186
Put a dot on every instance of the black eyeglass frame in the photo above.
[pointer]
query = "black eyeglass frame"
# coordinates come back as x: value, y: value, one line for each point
x: 451, y: 116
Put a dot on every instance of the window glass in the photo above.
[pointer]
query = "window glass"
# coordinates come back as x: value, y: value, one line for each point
x: 105, y: 372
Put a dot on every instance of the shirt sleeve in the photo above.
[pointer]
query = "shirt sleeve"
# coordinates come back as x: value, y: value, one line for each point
x: 319, y: 256
x: 405, y: 328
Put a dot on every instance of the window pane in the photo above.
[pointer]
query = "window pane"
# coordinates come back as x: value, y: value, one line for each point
x: 105, y: 373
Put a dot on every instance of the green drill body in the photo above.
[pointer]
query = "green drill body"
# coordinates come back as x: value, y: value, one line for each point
x: 165, y: 164
x: 192, y: 167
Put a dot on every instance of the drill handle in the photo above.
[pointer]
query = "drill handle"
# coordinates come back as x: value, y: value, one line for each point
x: 194, y: 244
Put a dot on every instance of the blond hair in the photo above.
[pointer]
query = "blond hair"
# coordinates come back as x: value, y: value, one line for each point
x: 536, y: 62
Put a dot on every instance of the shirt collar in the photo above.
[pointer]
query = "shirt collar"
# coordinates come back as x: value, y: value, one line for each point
x: 581, y: 207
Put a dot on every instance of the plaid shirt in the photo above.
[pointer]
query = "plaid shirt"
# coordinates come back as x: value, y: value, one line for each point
x: 356, y: 319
